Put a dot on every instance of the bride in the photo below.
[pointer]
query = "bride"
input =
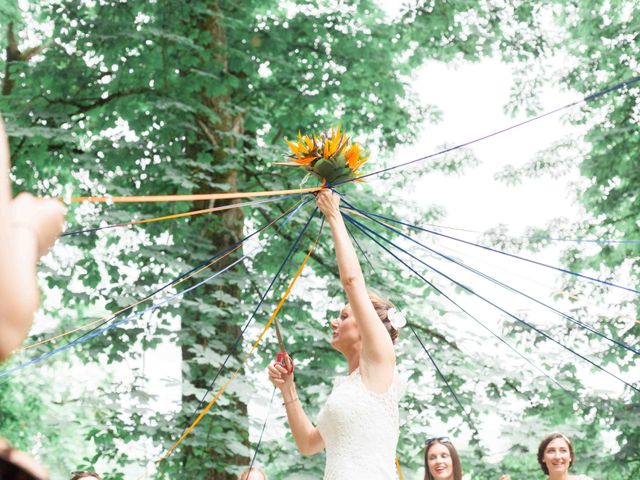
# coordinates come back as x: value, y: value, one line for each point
x: 358, y: 426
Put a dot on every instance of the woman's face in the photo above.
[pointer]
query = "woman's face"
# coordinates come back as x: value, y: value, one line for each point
x: 557, y: 456
x: 439, y: 462
x: 345, y: 330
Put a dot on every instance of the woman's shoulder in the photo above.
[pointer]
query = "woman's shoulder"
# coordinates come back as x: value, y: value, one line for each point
x: 580, y: 477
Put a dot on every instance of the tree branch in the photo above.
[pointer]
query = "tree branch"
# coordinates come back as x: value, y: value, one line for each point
x: 83, y: 108
x: 208, y: 133
x: 439, y: 336
x: 15, y: 55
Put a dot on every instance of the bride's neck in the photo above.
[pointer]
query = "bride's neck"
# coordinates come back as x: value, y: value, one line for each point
x: 353, y: 359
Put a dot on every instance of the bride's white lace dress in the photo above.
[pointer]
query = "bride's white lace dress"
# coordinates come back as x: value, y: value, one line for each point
x: 360, y: 430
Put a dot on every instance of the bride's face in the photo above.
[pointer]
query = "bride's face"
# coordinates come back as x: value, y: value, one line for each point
x: 345, y: 330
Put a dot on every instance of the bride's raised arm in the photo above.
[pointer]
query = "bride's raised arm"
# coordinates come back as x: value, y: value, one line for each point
x: 378, y: 357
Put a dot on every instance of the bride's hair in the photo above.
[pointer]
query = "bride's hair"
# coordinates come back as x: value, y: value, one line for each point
x: 382, y: 308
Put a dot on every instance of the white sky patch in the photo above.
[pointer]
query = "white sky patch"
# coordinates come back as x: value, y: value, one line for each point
x: 264, y: 70
x: 121, y: 131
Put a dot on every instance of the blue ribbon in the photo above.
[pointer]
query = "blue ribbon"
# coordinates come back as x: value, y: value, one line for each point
x: 251, y: 318
x: 529, y: 325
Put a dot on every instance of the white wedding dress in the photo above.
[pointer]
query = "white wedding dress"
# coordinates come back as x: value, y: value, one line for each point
x: 360, y: 430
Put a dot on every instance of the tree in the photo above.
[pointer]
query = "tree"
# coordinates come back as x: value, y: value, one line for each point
x: 138, y: 98
x: 601, y: 41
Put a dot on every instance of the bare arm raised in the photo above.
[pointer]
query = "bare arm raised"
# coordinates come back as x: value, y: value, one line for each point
x: 377, y: 362
x: 28, y: 227
x: 370, y: 344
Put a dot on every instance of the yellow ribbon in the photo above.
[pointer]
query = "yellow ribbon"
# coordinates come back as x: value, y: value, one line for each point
x: 104, y: 319
x: 400, y: 476
x: 244, y: 360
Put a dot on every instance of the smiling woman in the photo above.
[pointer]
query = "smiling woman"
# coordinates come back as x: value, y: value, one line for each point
x: 556, y: 456
x: 441, y: 460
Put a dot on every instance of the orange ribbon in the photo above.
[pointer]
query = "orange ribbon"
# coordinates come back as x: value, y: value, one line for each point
x: 400, y: 476
x: 194, y: 197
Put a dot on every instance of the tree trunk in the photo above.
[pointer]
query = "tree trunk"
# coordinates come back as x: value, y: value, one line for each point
x: 229, y: 231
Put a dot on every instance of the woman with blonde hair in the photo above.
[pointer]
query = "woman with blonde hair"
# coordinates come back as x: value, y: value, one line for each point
x: 359, y: 425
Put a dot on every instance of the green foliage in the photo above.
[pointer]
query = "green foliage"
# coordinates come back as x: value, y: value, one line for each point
x: 601, y: 41
x: 173, y: 97
x: 48, y: 420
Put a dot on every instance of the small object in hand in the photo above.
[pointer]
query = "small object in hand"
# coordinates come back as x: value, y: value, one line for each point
x: 281, y: 358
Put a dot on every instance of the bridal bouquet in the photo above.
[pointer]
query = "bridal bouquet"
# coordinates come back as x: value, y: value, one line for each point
x: 332, y: 157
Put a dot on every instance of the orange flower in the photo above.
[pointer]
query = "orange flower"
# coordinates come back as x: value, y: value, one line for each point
x: 352, y: 155
x: 334, y: 144
x: 331, y: 157
x: 304, y: 150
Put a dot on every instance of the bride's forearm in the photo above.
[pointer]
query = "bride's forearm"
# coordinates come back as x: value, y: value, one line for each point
x: 306, y: 436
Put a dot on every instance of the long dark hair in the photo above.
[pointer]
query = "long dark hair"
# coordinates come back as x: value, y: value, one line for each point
x: 453, y: 453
